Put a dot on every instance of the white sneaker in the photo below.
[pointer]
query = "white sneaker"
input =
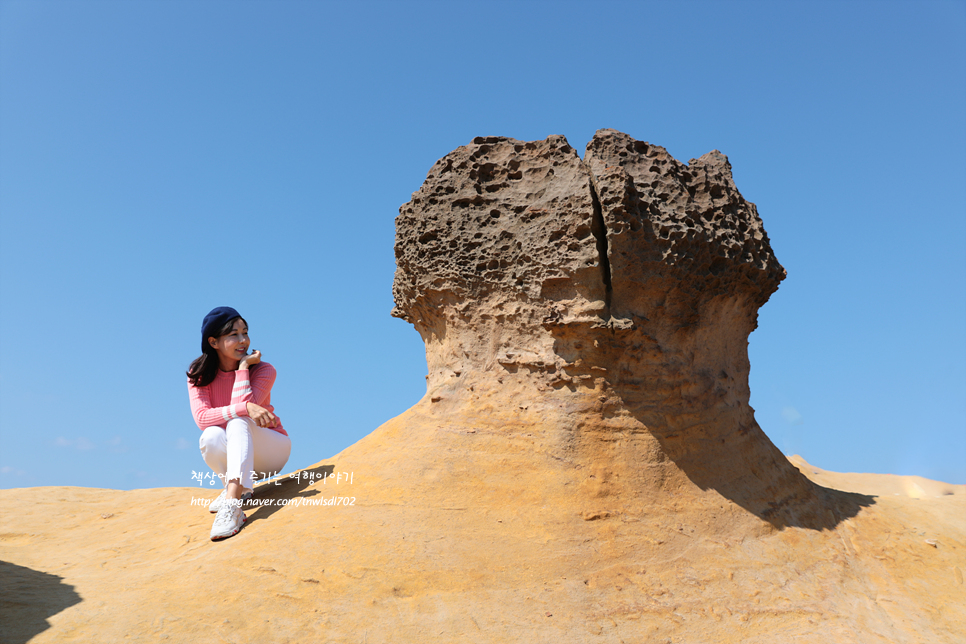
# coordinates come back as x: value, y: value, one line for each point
x: 215, y: 505
x: 228, y: 521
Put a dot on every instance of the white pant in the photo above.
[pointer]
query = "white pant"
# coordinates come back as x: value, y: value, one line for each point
x: 244, y: 448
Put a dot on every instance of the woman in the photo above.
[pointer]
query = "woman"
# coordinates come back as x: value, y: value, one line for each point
x: 231, y: 400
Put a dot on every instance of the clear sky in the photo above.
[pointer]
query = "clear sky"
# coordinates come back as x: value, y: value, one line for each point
x: 158, y: 159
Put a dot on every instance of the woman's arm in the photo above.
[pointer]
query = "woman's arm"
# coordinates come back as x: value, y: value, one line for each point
x: 205, y: 415
x: 253, y: 384
x: 253, y: 388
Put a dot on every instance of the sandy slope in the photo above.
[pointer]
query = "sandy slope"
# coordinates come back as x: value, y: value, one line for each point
x: 417, y: 563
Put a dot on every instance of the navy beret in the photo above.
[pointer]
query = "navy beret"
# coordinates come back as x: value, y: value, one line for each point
x: 214, y: 322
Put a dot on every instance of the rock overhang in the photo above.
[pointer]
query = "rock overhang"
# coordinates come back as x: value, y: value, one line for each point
x: 510, y: 237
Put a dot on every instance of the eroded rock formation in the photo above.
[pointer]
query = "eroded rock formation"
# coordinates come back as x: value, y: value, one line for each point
x: 615, y: 294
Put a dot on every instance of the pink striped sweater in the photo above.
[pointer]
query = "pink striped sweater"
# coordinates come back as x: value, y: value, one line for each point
x: 226, y: 397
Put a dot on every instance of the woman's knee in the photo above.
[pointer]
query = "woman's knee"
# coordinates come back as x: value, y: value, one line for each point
x: 212, y: 439
x: 272, y: 450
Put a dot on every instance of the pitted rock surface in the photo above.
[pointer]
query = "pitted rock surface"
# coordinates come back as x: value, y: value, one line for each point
x: 506, y: 239
x: 501, y: 216
x: 531, y: 219
x: 669, y: 221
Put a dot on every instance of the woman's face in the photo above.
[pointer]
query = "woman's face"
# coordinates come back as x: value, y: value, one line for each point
x: 231, y: 347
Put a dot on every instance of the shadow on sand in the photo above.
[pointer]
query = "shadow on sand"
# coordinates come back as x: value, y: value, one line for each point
x: 29, y: 598
x: 771, y: 488
x: 280, y: 493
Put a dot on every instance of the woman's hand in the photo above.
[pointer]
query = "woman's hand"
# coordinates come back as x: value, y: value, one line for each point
x: 261, y: 416
x: 253, y: 358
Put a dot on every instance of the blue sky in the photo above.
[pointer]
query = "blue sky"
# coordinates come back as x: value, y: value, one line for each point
x: 158, y: 159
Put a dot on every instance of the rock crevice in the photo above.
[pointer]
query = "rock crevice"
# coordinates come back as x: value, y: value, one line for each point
x: 599, y: 230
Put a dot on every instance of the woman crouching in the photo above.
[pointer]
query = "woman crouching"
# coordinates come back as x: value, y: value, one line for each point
x: 230, y: 391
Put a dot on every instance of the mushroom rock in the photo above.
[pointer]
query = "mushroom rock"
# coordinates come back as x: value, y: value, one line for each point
x: 602, y: 307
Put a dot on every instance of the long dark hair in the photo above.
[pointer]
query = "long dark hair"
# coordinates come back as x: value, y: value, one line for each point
x: 205, y: 367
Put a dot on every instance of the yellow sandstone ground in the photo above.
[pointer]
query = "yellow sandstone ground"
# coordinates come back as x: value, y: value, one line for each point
x: 501, y: 542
